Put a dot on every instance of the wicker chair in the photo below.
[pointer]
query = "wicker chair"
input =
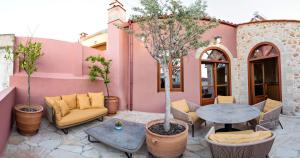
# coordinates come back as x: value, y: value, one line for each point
x: 186, y: 117
x: 259, y: 149
x: 217, y: 101
x: 269, y: 119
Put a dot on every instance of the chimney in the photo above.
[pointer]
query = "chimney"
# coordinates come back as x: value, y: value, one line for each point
x: 83, y: 35
x: 116, y: 11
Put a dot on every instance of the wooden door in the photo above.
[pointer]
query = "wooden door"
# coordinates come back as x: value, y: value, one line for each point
x: 264, y: 80
x: 258, y: 82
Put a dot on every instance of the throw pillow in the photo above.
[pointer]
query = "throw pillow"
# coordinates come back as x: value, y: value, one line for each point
x: 70, y: 100
x: 64, y: 108
x: 271, y: 104
x: 181, y: 105
x: 97, y: 100
x: 83, y: 101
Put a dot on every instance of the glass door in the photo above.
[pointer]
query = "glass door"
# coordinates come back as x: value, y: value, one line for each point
x: 207, y: 78
x: 215, y: 81
x: 259, y: 84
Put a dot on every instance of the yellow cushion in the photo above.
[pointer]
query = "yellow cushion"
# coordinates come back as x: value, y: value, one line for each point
x: 50, y: 100
x: 70, y: 100
x: 225, y: 99
x: 78, y: 116
x: 83, y: 101
x: 181, y: 105
x: 64, y: 108
x: 57, y: 111
x: 193, y: 116
x: 271, y: 104
x: 231, y: 138
x: 97, y: 100
x: 238, y: 132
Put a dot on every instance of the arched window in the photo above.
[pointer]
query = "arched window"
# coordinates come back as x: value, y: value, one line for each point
x: 215, y: 75
x: 264, y: 51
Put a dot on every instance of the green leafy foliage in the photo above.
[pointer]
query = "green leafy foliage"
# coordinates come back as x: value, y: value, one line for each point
x: 169, y: 29
x: 100, y: 68
x: 28, y: 55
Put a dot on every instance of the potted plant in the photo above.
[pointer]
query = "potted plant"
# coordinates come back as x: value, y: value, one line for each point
x: 102, y: 70
x: 28, y: 116
x: 118, y: 125
x: 169, y: 31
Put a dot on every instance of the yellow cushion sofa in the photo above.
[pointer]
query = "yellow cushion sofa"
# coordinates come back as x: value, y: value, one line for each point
x: 81, y: 108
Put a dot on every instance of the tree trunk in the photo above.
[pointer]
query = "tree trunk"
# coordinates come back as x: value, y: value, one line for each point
x: 168, y: 97
x: 28, y: 91
x: 107, y: 90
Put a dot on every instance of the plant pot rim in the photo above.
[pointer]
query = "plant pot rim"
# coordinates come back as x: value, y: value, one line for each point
x: 19, y: 106
x: 111, y: 97
x: 148, y: 124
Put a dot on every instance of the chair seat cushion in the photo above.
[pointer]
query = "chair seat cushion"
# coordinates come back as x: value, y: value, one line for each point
x: 194, y: 117
x: 181, y: 105
x: 225, y: 99
x: 238, y: 132
x: 77, y: 116
x: 238, y: 138
x: 271, y: 104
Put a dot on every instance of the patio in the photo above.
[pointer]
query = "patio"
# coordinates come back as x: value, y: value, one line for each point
x: 52, y: 143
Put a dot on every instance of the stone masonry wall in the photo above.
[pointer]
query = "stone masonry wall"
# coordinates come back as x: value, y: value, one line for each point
x: 286, y: 36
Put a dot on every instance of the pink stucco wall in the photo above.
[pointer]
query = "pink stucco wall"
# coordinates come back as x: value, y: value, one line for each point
x: 7, y: 101
x: 61, y: 70
x: 117, y: 50
x: 145, y: 94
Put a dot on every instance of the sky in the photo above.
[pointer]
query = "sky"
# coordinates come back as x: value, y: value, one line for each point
x: 66, y: 19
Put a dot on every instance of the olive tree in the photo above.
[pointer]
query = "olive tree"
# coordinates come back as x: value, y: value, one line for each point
x: 170, y: 30
x: 27, y: 55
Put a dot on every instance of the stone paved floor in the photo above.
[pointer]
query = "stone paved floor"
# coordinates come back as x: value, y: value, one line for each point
x: 52, y: 143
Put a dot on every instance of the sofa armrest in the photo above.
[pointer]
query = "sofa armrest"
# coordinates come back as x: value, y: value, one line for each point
x: 50, y: 113
x: 260, y: 128
x: 180, y: 115
x: 260, y: 105
x: 211, y: 131
x: 272, y: 115
x: 216, y: 100
x: 192, y: 106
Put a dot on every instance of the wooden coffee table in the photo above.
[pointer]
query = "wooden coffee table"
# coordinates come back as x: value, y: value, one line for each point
x: 228, y: 114
x: 129, y: 139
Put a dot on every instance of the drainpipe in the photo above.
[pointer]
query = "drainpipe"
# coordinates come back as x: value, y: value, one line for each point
x: 130, y: 67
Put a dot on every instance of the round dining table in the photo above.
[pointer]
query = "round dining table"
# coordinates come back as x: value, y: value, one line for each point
x: 228, y: 114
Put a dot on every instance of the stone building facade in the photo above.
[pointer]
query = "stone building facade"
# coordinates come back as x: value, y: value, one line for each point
x: 285, y: 35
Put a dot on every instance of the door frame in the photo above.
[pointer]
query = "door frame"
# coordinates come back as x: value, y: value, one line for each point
x: 214, y: 75
x: 250, y: 70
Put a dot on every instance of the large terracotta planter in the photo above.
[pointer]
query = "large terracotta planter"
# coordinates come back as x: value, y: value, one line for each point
x: 112, y: 104
x: 28, y: 123
x: 166, y: 146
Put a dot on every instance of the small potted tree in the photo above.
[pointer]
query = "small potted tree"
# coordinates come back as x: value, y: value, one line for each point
x: 169, y: 31
x: 28, y: 116
x: 100, y: 68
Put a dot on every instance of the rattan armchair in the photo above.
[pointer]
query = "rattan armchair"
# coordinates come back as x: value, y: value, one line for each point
x: 258, y: 149
x: 186, y: 117
x: 269, y: 119
x: 220, y: 102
